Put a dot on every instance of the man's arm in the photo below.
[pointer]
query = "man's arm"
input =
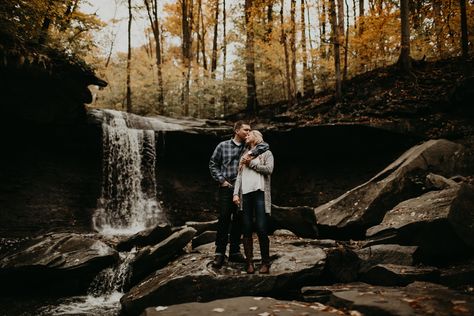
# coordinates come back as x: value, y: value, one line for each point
x: 259, y: 149
x: 215, y: 163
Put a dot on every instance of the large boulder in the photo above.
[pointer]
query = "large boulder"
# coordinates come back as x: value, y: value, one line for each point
x: 441, y: 223
x: 62, y: 263
x: 151, y: 258
x: 387, y: 254
x: 146, y: 237
x: 418, y: 298
x: 193, y: 277
x: 300, y: 220
x: 245, y: 305
x: 366, y: 205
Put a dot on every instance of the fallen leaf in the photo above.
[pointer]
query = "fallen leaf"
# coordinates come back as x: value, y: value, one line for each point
x: 264, y: 314
x: 161, y: 308
x: 253, y: 308
x: 218, y: 310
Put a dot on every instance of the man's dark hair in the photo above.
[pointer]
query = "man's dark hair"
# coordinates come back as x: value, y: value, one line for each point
x: 239, y: 124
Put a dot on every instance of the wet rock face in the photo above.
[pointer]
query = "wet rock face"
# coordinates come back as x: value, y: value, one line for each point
x: 418, y: 298
x: 50, y: 177
x: 312, y: 165
x: 195, y: 280
x: 366, y: 204
x: 58, y: 263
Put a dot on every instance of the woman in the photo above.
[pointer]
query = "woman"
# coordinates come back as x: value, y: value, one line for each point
x: 252, y: 188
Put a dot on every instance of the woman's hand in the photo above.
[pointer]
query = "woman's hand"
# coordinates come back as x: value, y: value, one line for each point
x: 246, y: 159
x: 236, y: 200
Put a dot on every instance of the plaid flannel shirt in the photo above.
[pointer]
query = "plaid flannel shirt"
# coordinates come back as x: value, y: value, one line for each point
x: 224, y: 162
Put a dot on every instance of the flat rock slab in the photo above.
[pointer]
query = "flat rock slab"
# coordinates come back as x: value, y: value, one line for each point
x: 191, y: 278
x: 65, y: 262
x: 367, y: 204
x: 418, y: 298
x: 393, y: 274
x: 244, y: 305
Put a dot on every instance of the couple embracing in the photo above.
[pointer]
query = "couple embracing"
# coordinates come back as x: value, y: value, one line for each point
x: 242, y: 166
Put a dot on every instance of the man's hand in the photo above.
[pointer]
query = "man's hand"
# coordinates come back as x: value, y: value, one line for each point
x: 236, y: 200
x: 226, y: 184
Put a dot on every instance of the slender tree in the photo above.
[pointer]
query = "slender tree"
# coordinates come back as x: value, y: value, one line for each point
x: 405, y: 59
x: 464, y: 35
x: 346, y: 45
x: 337, y: 57
x: 308, y: 86
x: 186, y: 48
x: 214, y: 41
x: 224, y: 57
x: 269, y: 17
x: 289, y: 92
x: 293, y: 45
x: 252, y: 103
x: 114, y: 36
x: 129, y: 57
x: 152, y: 11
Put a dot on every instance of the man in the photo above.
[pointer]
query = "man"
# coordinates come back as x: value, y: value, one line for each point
x: 224, y: 165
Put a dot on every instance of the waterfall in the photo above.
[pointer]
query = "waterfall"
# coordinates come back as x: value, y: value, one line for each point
x: 103, y: 295
x: 128, y: 200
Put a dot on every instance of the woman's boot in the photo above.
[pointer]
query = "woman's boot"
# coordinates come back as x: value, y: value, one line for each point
x: 265, y: 253
x: 248, y: 249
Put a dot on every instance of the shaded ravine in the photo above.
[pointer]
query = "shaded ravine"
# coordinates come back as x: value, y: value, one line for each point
x: 169, y: 161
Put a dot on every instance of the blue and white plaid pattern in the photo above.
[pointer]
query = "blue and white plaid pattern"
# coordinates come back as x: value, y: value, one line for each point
x: 224, y: 162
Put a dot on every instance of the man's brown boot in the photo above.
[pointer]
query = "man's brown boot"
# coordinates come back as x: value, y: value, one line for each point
x: 248, y: 249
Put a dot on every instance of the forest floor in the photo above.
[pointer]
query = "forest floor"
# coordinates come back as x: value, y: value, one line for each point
x: 436, y: 101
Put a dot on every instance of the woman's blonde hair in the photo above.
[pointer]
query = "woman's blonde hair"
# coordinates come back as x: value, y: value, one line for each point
x: 258, y: 136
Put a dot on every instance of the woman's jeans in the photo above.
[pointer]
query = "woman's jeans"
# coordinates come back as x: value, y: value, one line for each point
x: 254, y: 205
x: 229, y: 222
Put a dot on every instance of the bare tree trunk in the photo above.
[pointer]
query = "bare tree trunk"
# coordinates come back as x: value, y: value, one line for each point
x: 129, y: 57
x: 337, y: 57
x: 346, y: 46
x: 287, y: 59
x: 152, y: 11
x: 438, y: 26
x: 322, y: 27
x: 405, y: 59
x: 361, y: 14
x: 186, y: 23
x: 293, y: 46
x: 114, y: 36
x: 308, y: 86
x: 214, y: 54
x: 203, y: 41
x: 269, y: 18
x: 252, y: 103
x: 214, y: 42
x: 313, y: 62
x: 464, y: 35
x: 198, y: 30
x: 340, y: 20
x: 224, y: 61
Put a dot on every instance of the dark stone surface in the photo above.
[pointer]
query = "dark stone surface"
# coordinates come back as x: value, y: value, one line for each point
x: 366, y: 204
x: 144, y: 238
x: 50, y: 177
x: 56, y: 263
x: 195, y: 280
x: 242, y: 306
x: 418, y: 298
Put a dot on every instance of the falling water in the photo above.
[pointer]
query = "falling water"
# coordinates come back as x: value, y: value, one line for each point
x: 128, y: 201
x: 103, y: 295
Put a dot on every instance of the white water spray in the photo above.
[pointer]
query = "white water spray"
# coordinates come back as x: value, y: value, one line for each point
x: 128, y: 200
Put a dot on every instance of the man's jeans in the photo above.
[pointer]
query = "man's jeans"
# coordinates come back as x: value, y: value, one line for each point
x: 230, y: 219
x: 254, y: 204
